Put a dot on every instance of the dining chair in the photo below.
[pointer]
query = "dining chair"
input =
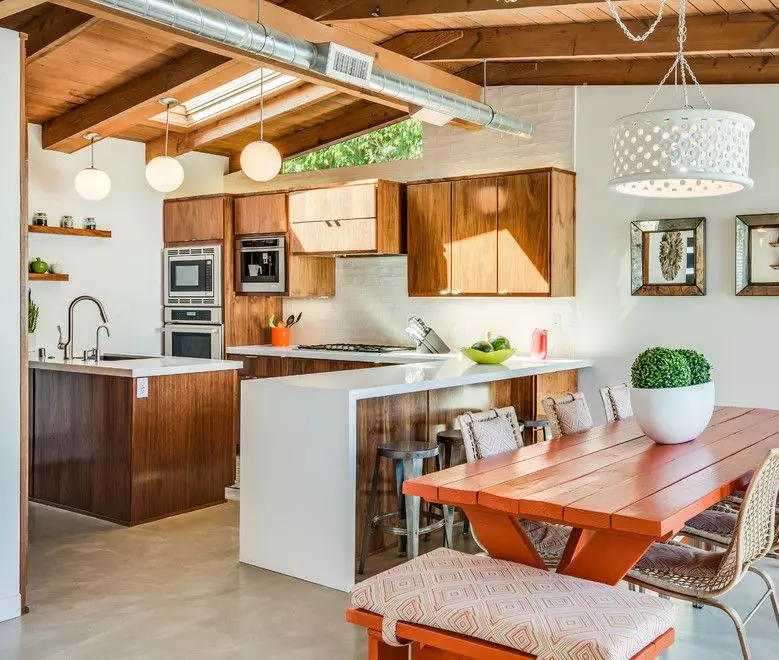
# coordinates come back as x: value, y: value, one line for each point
x: 567, y: 414
x: 498, y: 431
x: 616, y: 402
x: 701, y: 577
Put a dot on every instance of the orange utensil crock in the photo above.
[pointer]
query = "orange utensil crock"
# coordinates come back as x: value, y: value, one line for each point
x: 280, y: 337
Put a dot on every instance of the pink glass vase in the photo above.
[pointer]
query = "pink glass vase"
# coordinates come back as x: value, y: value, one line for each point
x: 538, y: 344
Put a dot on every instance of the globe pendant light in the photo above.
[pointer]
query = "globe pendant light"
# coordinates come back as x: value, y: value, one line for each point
x: 92, y: 184
x: 681, y: 152
x: 164, y: 173
x: 260, y: 160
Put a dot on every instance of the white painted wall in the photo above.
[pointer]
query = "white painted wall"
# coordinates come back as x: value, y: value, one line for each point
x: 372, y: 302
x: 10, y: 412
x: 203, y: 175
x: 738, y: 335
x: 124, y: 272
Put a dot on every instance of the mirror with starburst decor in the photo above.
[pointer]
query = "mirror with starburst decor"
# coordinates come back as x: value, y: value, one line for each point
x: 668, y: 257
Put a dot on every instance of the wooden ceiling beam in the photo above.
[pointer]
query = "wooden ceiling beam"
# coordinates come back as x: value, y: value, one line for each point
x: 420, y: 9
x: 720, y: 33
x: 11, y: 7
x: 316, y: 9
x: 52, y: 29
x: 137, y: 100
x: 417, y: 44
x: 709, y: 70
x: 302, y: 28
x: 202, y: 138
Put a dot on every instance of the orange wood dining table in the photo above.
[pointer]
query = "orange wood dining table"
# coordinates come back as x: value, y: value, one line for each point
x: 617, y: 489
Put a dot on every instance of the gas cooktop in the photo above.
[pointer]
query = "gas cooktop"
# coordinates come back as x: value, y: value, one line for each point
x: 356, y: 348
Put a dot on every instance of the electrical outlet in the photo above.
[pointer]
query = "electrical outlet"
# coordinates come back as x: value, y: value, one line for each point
x: 142, y: 388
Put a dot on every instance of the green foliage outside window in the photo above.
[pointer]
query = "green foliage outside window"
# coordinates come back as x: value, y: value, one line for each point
x: 401, y: 141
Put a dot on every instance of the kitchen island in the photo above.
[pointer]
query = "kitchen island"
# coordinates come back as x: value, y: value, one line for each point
x: 309, y: 441
x: 132, y: 440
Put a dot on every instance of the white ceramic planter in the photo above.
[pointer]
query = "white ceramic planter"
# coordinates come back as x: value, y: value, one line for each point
x: 673, y: 415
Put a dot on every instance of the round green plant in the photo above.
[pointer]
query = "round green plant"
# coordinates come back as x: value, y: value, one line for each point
x: 660, y: 368
x: 700, y: 368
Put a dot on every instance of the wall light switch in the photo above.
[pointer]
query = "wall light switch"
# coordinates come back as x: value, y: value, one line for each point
x: 142, y: 388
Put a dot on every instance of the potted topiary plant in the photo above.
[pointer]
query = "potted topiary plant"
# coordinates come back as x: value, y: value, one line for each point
x: 672, y: 394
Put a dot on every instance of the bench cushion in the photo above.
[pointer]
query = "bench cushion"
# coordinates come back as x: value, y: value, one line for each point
x: 547, y: 615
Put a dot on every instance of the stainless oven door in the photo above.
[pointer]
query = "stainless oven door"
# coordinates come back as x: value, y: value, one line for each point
x: 193, y: 276
x: 194, y: 341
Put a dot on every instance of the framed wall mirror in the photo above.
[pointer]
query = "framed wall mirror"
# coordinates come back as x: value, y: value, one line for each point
x: 668, y: 257
x: 757, y: 255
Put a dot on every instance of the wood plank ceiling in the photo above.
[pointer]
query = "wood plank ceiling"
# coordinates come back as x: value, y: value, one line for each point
x: 88, y: 70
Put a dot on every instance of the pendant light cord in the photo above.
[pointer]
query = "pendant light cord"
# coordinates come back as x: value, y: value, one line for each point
x: 262, y: 81
x: 167, y: 126
x: 92, y: 152
x: 626, y: 29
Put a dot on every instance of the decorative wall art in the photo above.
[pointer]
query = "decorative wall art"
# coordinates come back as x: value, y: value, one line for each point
x: 757, y: 255
x: 668, y: 257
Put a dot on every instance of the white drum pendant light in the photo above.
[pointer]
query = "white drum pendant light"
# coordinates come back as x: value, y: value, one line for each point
x: 683, y: 152
x: 164, y: 173
x: 260, y: 160
x: 92, y: 184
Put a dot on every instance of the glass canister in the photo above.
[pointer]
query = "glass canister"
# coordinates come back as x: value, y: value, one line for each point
x: 40, y: 219
x: 89, y: 223
x: 538, y: 344
x: 66, y: 221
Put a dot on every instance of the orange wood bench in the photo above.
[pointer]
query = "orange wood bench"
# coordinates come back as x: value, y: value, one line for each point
x: 432, y: 644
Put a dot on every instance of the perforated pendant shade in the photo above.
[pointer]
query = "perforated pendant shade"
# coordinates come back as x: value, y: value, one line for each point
x: 681, y: 153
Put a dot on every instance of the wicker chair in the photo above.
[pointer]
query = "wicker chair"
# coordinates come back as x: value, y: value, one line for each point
x: 498, y: 431
x: 701, y: 577
x: 567, y: 414
x: 616, y: 402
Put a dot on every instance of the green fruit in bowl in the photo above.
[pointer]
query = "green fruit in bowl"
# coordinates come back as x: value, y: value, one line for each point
x: 483, y: 346
x: 501, y: 344
x: 488, y: 357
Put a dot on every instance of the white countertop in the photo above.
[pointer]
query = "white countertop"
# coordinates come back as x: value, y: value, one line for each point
x: 138, y: 368
x: 400, y: 357
x: 425, y: 375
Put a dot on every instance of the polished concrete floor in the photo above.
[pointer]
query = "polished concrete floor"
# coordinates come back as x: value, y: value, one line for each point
x: 174, y: 589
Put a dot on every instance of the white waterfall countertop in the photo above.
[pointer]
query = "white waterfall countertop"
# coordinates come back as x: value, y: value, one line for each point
x: 142, y: 367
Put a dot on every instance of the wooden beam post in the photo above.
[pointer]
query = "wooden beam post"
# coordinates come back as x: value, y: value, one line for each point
x: 11, y: 7
x: 52, y: 29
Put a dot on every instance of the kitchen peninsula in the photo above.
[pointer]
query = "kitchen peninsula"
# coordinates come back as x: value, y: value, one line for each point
x: 132, y: 439
x: 309, y: 441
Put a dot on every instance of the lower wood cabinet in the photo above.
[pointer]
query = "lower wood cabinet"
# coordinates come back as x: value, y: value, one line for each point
x: 274, y: 367
x: 510, y: 234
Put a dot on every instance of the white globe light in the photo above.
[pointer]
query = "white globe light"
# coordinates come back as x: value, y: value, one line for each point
x: 164, y: 174
x: 92, y: 184
x: 260, y: 161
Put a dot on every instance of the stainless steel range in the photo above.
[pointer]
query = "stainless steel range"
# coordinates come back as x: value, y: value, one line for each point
x: 355, y: 348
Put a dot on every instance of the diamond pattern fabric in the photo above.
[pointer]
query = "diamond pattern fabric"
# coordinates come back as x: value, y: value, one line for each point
x: 568, y: 414
x: 547, y: 615
x: 714, y: 525
x: 493, y: 436
x: 620, y: 402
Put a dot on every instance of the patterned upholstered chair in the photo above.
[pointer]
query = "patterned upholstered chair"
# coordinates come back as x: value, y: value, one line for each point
x: 616, y: 402
x: 702, y: 577
x: 498, y: 431
x: 567, y: 414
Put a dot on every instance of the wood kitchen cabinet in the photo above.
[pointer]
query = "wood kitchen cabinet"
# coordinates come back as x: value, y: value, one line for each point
x: 510, y: 234
x: 260, y: 214
x: 355, y: 219
x: 195, y: 218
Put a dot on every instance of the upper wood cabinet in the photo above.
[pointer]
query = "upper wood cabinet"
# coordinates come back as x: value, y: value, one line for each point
x: 357, y: 219
x: 310, y: 277
x: 195, y: 219
x: 429, y: 239
x: 509, y: 234
x: 261, y: 214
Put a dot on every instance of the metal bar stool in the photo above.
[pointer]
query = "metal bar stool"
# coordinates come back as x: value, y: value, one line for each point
x: 450, y: 444
x: 409, y: 460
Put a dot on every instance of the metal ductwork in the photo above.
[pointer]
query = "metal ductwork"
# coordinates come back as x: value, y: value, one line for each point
x: 257, y: 39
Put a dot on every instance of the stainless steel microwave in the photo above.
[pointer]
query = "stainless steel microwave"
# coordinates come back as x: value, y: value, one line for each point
x: 193, y: 276
x: 260, y: 264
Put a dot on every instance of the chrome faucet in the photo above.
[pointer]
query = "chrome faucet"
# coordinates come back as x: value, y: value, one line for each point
x: 67, y: 346
x: 98, y: 354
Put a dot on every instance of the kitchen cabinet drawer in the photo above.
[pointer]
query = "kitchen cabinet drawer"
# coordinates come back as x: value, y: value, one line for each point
x: 342, y: 203
x: 197, y: 219
x: 334, y: 236
x: 260, y: 214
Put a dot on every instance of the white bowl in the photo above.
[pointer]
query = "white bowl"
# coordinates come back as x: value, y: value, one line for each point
x: 673, y: 415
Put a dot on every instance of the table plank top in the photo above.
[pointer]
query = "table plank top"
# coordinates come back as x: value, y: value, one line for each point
x: 613, y: 477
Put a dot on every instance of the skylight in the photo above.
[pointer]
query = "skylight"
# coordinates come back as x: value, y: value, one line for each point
x: 226, y: 97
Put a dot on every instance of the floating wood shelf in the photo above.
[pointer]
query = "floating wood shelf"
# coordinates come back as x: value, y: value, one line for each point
x: 67, y: 231
x: 775, y: 244
x: 48, y: 277
x: 775, y: 266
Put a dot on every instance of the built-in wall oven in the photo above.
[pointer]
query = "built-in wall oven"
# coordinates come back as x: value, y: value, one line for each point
x: 260, y: 264
x: 195, y: 332
x: 193, y: 276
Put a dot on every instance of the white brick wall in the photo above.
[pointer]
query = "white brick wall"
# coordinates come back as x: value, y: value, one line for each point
x: 372, y: 303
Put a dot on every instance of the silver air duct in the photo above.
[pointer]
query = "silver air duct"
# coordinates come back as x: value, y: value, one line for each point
x: 255, y: 38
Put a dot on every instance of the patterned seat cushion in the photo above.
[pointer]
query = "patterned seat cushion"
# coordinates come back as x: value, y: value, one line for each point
x: 550, y: 540
x: 679, y: 567
x: 715, y: 525
x: 494, y: 436
x: 547, y: 615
